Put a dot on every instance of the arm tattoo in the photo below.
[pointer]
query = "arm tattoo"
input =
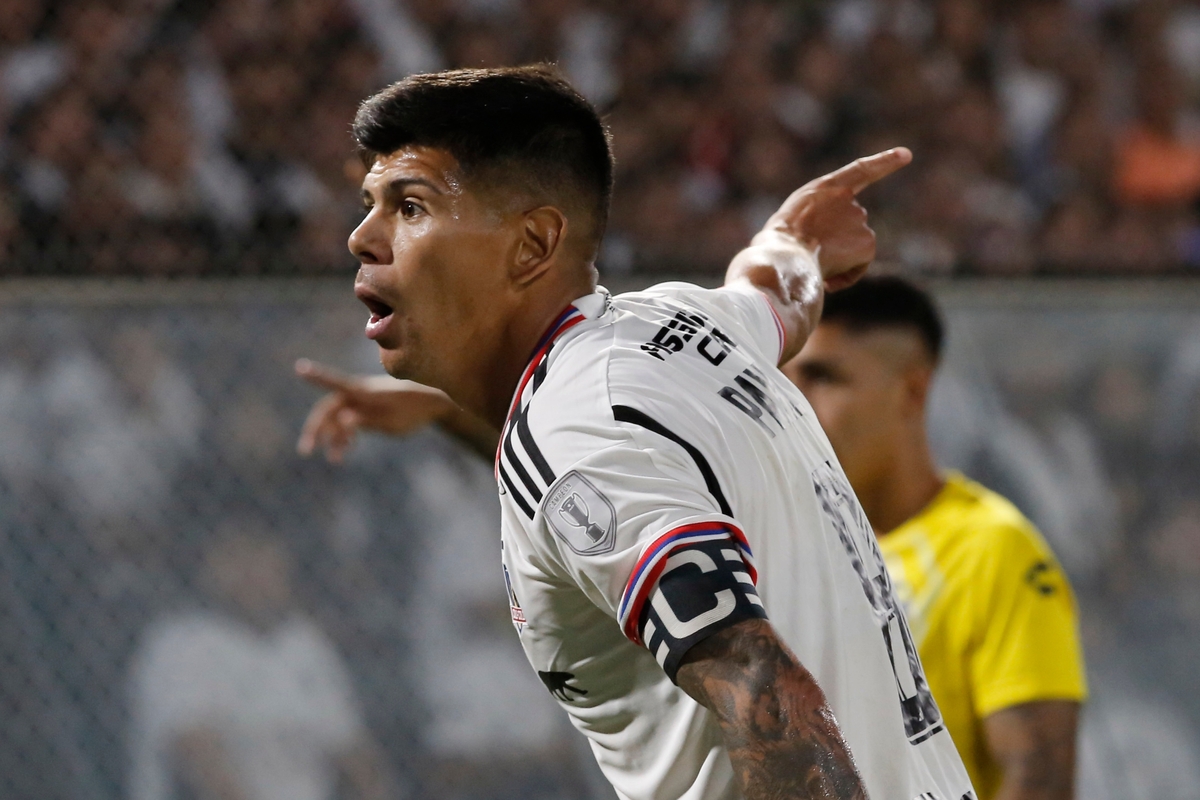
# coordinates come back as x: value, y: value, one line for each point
x: 781, y: 736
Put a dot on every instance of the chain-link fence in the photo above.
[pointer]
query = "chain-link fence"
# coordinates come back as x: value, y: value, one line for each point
x: 168, y: 566
x: 187, y: 137
x: 173, y: 575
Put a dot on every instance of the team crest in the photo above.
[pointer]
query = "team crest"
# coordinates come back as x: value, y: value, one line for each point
x: 581, y: 516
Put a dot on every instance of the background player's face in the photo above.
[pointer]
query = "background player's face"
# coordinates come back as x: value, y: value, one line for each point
x: 868, y: 389
x: 431, y: 255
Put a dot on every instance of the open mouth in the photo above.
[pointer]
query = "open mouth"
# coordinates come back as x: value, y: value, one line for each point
x: 381, y: 312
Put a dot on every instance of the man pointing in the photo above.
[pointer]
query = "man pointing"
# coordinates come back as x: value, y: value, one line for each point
x: 687, y: 565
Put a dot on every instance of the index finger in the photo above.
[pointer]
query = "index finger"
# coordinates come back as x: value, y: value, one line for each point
x: 862, y: 172
x: 325, y: 377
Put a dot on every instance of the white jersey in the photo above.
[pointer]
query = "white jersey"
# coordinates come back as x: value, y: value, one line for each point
x: 660, y: 479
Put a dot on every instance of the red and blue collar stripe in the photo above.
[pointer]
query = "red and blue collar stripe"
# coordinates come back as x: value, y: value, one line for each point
x: 569, y: 318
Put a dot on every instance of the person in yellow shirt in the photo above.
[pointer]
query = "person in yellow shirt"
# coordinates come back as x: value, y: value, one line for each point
x: 991, y: 612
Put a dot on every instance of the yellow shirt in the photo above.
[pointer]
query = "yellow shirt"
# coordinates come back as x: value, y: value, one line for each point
x: 992, y: 614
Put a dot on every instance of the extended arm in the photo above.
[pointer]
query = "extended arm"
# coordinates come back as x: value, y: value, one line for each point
x: 818, y: 240
x: 1034, y: 743
x: 781, y: 736
x: 384, y: 405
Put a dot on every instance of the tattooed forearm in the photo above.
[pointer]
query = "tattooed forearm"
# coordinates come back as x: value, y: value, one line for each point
x: 781, y: 736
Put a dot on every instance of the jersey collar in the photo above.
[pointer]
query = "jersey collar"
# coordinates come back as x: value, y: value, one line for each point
x: 587, y: 307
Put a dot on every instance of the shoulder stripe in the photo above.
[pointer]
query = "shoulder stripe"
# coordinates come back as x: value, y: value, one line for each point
x: 521, y: 423
x: 539, y: 374
x: 635, y: 417
x: 512, y: 490
x: 654, y: 559
x: 530, y: 484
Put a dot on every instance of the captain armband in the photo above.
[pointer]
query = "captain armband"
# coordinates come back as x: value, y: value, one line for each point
x: 689, y: 587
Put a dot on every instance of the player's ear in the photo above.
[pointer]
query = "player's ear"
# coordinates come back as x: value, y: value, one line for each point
x: 918, y: 380
x: 541, y: 239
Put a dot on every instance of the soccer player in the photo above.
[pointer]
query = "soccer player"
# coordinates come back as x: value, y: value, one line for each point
x: 687, y: 567
x: 990, y: 610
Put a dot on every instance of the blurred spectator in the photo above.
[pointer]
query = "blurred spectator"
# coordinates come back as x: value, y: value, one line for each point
x: 124, y: 422
x: 1158, y: 159
x: 28, y: 66
x: 247, y: 700
x: 1050, y: 135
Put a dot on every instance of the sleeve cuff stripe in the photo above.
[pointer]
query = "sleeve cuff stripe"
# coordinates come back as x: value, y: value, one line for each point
x: 654, y: 558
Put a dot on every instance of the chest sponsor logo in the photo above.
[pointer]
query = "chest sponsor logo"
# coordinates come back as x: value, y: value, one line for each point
x: 581, y: 516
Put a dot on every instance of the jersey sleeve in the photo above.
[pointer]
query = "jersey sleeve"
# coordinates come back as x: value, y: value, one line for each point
x: 1029, y: 648
x: 637, y: 530
x: 743, y: 311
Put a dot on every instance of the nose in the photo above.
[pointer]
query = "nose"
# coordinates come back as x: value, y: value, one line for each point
x: 369, y: 242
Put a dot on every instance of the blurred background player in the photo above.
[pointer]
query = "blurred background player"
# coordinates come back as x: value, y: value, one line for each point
x: 247, y: 699
x: 993, y: 615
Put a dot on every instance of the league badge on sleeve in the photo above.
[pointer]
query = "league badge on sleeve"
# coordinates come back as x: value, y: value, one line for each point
x: 581, y: 516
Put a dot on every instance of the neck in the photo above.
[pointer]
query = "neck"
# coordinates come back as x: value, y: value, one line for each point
x: 502, y: 364
x: 903, y: 490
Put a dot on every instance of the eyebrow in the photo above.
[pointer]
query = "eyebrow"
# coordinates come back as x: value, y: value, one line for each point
x: 395, y: 188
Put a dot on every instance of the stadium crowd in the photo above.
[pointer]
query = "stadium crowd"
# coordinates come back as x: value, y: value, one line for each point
x: 165, y: 137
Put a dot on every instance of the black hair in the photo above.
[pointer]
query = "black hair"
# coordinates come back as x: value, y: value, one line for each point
x: 516, y: 126
x: 888, y: 302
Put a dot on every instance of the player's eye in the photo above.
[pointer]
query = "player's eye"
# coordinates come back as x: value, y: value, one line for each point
x: 409, y: 209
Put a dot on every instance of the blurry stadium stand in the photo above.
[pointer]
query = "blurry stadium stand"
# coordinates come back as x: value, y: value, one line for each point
x: 142, y: 424
x: 201, y: 137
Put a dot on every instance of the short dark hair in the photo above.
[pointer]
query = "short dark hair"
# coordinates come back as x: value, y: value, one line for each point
x: 520, y: 125
x: 887, y: 301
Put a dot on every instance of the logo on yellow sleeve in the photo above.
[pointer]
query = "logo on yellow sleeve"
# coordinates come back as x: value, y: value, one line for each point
x: 1043, y: 577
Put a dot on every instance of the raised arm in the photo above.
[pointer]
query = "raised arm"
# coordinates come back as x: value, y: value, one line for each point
x: 818, y: 240
x: 781, y: 736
